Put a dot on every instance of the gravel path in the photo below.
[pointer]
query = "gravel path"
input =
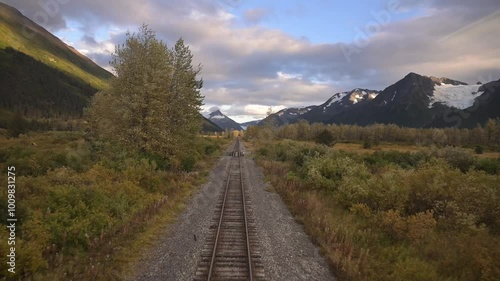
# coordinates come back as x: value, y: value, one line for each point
x: 288, y: 253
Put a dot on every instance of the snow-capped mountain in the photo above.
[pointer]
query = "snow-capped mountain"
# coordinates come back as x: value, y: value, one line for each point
x: 414, y: 101
x: 456, y: 96
x: 339, y: 103
x: 463, y: 113
x: 223, y: 121
x: 286, y: 116
x: 249, y: 123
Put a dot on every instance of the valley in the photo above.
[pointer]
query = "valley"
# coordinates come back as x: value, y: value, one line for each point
x: 249, y: 140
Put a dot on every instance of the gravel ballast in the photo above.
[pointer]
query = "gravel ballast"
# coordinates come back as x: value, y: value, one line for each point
x: 287, y: 252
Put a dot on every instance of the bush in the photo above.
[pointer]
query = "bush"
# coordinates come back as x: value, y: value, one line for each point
x: 17, y: 126
x: 403, y: 159
x: 393, y: 224
x: 478, y: 149
x: 420, y: 226
x: 161, y: 162
x: 490, y: 166
x: 457, y: 157
x: 188, y: 163
x: 325, y: 137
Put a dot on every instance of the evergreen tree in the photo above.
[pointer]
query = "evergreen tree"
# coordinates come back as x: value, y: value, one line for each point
x: 153, y: 103
x: 17, y: 126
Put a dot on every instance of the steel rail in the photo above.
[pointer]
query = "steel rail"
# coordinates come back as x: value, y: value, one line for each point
x: 249, y: 254
x: 214, y: 251
x: 212, y: 262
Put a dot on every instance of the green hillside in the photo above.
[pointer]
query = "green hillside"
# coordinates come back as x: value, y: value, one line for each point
x: 208, y: 126
x: 24, y: 35
x: 38, y: 91
x: 40, y: 76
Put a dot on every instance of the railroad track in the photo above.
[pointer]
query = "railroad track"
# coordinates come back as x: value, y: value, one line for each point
x: 231, y: 250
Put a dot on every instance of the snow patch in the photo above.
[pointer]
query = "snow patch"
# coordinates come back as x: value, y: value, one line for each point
x: 356, y: 98
x: 394, y: 96
x: 335, y: 99
x: 218, y: 117
x: 459, y: 96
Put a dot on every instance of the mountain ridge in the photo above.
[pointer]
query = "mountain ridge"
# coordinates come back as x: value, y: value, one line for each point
x: 42, y: 77
x: 413, y: 101
x: 24, y: 35
x: 223, y: 121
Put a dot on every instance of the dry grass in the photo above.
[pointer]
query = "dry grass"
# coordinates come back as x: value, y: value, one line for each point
x: 358, y: 148
x: 121, y: 253
x: 130, y: 259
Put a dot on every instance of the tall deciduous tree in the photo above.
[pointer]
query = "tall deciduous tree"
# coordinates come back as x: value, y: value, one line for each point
x: 153, y: 102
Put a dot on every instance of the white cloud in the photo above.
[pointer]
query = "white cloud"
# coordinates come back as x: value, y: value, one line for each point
x: 247, y: 69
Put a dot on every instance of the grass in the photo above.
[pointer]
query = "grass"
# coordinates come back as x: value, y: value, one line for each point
x: 155, y: 198
x: 358, y: 148
x: 130, y: 259
x: 384, y: 221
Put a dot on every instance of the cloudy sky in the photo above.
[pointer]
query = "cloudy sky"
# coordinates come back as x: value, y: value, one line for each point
x: 258, y: 54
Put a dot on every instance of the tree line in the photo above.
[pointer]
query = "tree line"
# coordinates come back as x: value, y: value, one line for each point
x: 487, y: 135
x: 38, y: 91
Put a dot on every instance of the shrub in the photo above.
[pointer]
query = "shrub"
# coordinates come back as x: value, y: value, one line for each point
x: 393, y: 224
x: 161, y: 162
x: 188, y: 162
x: 403, y: 159
x: 361, y: 210
x: 478, y: 149
x: 457, y: 157
x: 325, y: 137
x: 420, y: 226
x: 263, y: 151
x: 327, y: 172
x: 388, y: 190
x: 490, y: 166
x: 17, y: 126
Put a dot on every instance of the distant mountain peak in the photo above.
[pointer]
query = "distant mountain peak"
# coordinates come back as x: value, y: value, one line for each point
x: 413, y: 101
x: 447, y: 81
x: 217, y: 114
x: 223, y: 121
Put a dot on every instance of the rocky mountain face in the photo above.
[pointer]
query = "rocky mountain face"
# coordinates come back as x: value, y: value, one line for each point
x: 485, y: 105
x: 414, y: 101
x: 223, y: 121
x: 286, y: 116
x: 340, y: 103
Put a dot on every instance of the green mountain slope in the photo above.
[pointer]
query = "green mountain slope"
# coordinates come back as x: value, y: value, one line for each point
x: 208, y: 126
x: 22, y: 34
x: 40, y: 76
x: 38, y: 91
